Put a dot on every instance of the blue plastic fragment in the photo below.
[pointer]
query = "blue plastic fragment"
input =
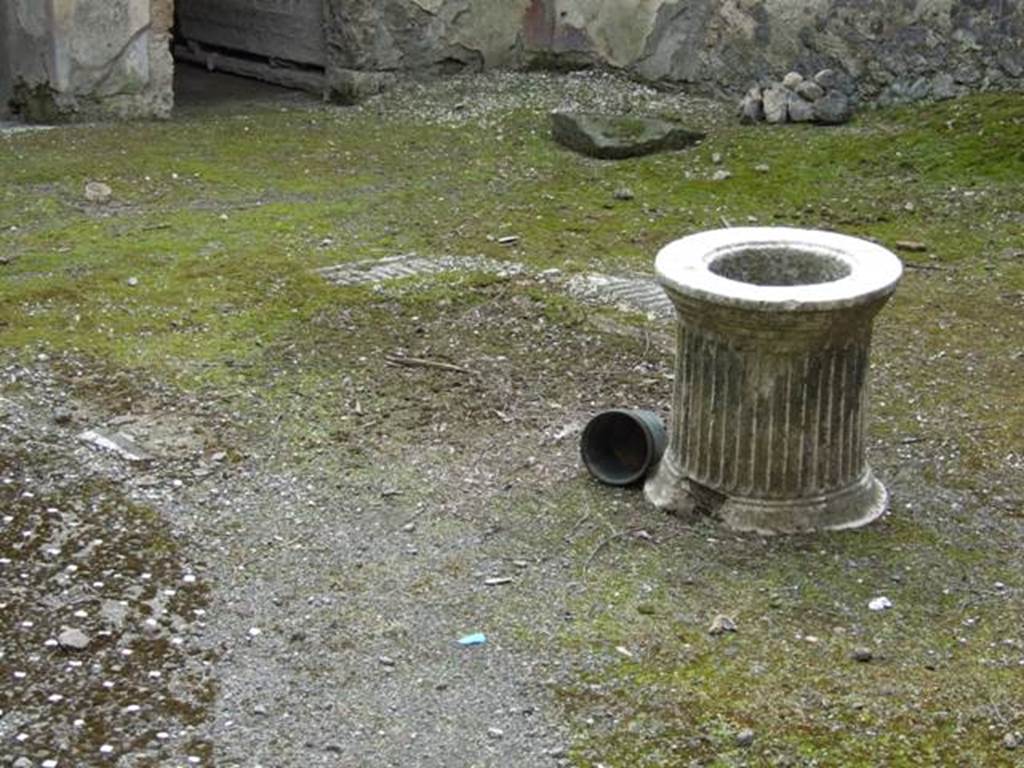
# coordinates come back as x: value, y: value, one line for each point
x: 477, y: 638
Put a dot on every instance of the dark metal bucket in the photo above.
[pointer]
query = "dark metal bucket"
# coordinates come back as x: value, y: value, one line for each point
x: 620, y: 447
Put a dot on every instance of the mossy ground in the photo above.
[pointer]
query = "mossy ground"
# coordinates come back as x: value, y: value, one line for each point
x: 221, y: 219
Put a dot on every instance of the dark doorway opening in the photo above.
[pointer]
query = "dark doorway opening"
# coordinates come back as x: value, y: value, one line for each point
x: 280, y: 42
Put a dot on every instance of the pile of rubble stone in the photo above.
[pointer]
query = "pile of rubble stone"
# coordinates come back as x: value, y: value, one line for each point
x: 798, y: 100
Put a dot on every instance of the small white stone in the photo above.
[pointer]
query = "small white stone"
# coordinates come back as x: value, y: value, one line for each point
x: 880, y: 603
x: 722, y: 624
x: 98, y: 192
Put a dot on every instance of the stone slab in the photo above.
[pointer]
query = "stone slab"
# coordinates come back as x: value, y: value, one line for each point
x: 615, y: 137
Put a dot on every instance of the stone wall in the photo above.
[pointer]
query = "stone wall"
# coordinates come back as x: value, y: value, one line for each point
x: 85, y: 58
x: 5, y: 63
x: 886, y: 49
x: 80, y: 59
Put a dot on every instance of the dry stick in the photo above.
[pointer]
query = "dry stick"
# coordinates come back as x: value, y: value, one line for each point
x: 419, y: 362
x: 579, y: 523
x: 601, y: 545
x: 608, y: 540
x: 486, y: 449
x: 925, y: 267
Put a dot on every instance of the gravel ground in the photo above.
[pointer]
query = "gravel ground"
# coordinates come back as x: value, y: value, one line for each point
x: 268, y: 572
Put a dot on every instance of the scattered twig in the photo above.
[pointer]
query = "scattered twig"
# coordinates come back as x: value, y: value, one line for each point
x: 913, y: 246
x: 601, y: 545
x: 579, y: 523
x: 486, y: 449
x: 615, y: 537
x: 925, y: 267
x: 420, y: 362
x: 725, y: 222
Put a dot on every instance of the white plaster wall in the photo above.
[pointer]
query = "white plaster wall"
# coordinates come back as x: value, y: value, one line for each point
x: 92, y: 57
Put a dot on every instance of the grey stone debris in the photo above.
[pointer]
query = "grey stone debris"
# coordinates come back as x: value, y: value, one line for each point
x: 776, y: 104
x: 801, y: 110
x: 798, y: 100
x: 792, y: 80
x: 73, y: 640
x: 826, y: 78
x: 810, y: 90
x: 22, y: 762
x: 722, y: 624
x: 1013, y: 740
x: 833, y: 108
x: 623, y: 193
x: 752, y: 106
x: 745, y: 738
x: 862, y: 654
x: 614, y: 137
x: 98, y: 193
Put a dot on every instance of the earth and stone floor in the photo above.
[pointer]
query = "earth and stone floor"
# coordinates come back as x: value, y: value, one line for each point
x: 239, y: 527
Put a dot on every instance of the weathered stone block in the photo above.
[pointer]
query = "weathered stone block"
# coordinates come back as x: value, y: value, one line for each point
x: 834, y: 108
x: 776, y: 104
x: 613, y: 137
x: 810, y: 90
x: 800, y: 110
x: 752, y: 107
x: 792, y: 80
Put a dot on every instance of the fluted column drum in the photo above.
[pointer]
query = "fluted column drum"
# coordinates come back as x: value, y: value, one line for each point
x: 770, y: 403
